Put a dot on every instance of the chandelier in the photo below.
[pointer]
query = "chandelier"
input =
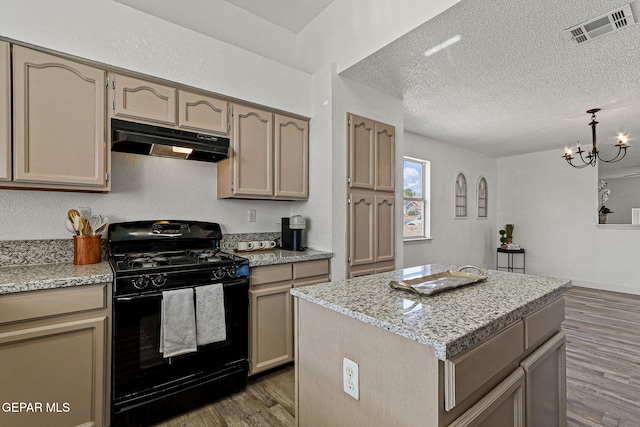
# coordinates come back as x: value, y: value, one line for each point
x: 590, y: 156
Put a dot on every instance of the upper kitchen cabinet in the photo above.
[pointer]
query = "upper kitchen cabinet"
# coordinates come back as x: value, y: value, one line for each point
x: 291, y: 172
x: 139, y: 99
x: 5, y: 112
x: 266, y: 162
x: 59, y: 134
x: 371, y: 154
x: 202, y: 113
x: 385, y: 158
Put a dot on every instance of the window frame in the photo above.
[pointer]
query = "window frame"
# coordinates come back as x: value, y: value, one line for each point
x: 425, y: 199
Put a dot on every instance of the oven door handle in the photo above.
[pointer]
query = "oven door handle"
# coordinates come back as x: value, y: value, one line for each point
x: 138, y: 297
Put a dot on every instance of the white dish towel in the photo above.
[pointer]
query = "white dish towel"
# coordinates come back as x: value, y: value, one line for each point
x: 178, y: 327
x: 210, y: 321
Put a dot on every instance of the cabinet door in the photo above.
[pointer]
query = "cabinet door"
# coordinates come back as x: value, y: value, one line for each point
x: 62, y: 367
x: 252, y: 154
x: 5, y: 112
x: 503, y: 406
x: 59, y: 121
x: 361, y: 227
x: 271, y: 326
x: 546, y: 396
x: 384, y: 227
x: 361, y: 152
x: 291, y: 150
x: 202, y: 113
x: 385, y: 157
x: 139, y: 99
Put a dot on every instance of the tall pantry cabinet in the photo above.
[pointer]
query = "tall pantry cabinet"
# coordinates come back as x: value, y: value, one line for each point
x: 5, y: 112
x: 370, y: 196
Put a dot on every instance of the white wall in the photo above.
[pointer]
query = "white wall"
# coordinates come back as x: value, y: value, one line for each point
x: 554, y: 209
x: 144, y: 187
x: 115, y: 34
x: 349, y: 96
x: 458, y: 241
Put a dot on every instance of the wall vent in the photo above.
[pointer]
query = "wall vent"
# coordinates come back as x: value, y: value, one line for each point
x: 613, y: 21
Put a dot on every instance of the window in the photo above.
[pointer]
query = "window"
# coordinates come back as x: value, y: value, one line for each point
x: 416, y: 218
x: 482, y: 198
x: 461, y: 196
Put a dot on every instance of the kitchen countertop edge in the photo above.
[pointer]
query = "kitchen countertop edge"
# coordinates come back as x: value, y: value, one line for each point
x: 26, y: 278
x: 281, y: 256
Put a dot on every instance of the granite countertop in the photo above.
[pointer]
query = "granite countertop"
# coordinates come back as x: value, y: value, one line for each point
x: 25, y: 278
x: 448, y: 322
x: 281, y: 256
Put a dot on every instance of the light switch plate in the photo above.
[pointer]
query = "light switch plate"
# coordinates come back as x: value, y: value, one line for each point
x: 252, y: 215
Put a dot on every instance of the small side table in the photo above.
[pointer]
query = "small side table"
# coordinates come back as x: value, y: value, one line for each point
x: 510, y: 253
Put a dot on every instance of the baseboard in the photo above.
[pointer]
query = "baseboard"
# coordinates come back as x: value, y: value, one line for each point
x: 613, y: 287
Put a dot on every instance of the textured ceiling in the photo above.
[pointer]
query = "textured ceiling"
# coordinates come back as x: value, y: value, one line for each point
x: 514, y: 83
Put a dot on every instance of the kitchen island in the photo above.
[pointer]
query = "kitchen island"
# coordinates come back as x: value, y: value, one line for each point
x: 489, y: 354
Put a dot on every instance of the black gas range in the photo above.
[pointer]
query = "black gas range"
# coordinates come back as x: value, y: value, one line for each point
x: 152, y: 261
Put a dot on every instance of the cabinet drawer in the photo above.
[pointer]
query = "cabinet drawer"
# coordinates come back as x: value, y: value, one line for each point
x: 318, y: 267
x: 52, y: 302
x: 270, y: 273
x: 310, y: 281
x: 543, y: 323
x: 464, y: 374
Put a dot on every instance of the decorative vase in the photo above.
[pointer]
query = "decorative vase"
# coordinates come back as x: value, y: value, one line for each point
x: 602, y: 218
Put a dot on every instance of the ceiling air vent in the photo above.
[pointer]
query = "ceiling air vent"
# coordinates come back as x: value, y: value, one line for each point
x: 597, y: 27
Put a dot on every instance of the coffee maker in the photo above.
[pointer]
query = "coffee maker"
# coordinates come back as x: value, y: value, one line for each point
x: 291, y: 234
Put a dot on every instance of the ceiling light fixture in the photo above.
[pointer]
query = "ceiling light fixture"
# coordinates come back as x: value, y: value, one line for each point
x: 593, y: 153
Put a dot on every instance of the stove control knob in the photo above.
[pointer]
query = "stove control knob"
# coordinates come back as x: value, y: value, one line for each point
x: 159, y: 280
x: 141, y: 282
x: 219, y: 273
x: 232, y: 271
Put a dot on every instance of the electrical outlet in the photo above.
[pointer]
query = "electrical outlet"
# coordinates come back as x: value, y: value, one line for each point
x: 85, y: 212
x: 350, y: 381
x: 252, y: 215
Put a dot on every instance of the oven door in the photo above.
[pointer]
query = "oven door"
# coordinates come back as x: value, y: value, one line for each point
x: 141, y: 373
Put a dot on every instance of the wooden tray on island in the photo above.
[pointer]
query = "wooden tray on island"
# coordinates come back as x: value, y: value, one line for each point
x: 440, y: 282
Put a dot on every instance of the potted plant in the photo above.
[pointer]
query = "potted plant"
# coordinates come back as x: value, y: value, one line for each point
x: 603, y: 194
x: 503, y: 240
x: 509, y: 230
x: 602, y: 214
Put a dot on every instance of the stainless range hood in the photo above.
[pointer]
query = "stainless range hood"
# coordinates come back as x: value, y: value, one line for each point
x: 138, y: 138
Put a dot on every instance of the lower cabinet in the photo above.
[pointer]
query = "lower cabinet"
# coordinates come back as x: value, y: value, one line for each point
x: 54, y: 357
x: 503, y: 406
x: 545, y: 373
x: 271, y: 332
x: 533, y: 394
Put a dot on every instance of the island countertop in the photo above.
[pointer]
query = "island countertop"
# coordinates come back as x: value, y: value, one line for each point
x: 450, y: 321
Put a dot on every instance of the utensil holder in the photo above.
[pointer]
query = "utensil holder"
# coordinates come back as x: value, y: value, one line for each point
x: 87, y: 249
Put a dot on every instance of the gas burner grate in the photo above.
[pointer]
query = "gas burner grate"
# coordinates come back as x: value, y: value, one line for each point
x: 146, y: 260
x: 207, y: 255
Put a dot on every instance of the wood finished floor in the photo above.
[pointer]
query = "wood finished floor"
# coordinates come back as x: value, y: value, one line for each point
x: 603, y: 358
x: 603, y: 372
